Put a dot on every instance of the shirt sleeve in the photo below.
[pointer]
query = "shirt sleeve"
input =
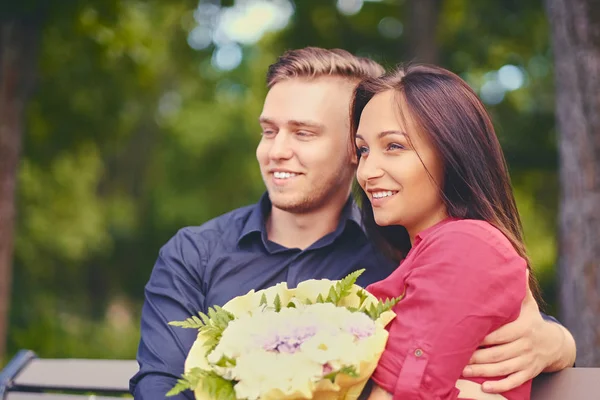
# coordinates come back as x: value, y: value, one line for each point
x: 174, y: 292
x: 550, y: 318
x: 464, y: 285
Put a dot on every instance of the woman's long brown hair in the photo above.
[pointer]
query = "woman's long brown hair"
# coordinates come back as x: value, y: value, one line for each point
x: 476, y: 181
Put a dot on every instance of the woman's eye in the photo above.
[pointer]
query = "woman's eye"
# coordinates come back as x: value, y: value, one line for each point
x: 395, y: 146
x: 362, y: 151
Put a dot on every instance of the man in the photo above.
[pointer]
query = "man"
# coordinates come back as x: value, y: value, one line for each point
x: 305, y: 226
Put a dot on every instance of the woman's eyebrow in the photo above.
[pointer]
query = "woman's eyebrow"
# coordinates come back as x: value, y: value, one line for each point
x: 392, y: 132
x: 384, y: 134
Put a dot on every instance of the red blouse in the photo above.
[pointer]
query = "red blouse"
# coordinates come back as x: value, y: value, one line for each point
x: 463, y: 280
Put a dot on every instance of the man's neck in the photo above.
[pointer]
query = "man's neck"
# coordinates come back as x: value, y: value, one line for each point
x: 302, y: 230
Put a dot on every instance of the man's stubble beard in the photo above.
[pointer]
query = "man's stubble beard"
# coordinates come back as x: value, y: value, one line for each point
x: 311, y: 200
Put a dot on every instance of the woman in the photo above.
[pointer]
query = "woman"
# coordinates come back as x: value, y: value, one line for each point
x: 436, y: 194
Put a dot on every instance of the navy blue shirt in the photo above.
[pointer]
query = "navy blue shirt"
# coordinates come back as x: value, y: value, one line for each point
x: 227, y: 257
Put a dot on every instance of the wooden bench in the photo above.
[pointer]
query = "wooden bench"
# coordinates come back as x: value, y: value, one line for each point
x: 28, y: 377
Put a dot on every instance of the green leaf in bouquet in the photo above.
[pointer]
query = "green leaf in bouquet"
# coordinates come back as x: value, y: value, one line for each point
x: 214, y: 327
x: 187, y: 381
x: 375, y: 310
x: 218, y: 387
x: 211, y: 325
x: 343, y: 287
x: 178, y: 388
x: 362, y: 295
x: 291, y: 304
x: 192, y: 322
x: 320, y: 298
x: 226, y: 362
x: 263, y: 300
x: 213, y: 384
x: 348, y: 370
x: 277, y: 303
x: 333, y: 296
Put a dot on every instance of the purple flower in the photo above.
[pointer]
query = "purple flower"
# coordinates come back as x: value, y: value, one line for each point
x: 288, y: 342
x: 362, y: 327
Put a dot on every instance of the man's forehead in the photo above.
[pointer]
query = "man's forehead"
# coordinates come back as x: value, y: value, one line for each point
x: 316, y: 86
x: 305, y: 100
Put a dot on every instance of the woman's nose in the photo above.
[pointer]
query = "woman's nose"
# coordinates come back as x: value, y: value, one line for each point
x: 368, y: 168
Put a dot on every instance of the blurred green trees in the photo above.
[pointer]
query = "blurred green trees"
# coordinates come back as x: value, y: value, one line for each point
x: 144, y: 120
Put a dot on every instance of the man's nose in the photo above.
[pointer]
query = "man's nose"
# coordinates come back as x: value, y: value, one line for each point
x: 281, y: 147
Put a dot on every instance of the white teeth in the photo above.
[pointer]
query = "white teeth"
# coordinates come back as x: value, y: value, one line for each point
x: 379, y: 195
x: 283, y: 175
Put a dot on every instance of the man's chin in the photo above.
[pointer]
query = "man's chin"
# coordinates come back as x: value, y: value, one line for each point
x: 290, y: 204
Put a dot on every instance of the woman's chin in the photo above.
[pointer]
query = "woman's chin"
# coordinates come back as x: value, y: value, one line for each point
x: 384, y: 220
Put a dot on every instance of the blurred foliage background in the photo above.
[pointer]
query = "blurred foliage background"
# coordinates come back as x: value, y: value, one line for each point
x: 144, y: 120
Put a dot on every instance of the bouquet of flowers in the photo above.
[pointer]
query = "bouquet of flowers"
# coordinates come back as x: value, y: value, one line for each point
x: 321, y: 340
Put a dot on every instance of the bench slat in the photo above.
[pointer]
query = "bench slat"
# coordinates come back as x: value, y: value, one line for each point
x: 111, y: 377
x: 50, y: 396
x: 78, y: 374
x: 571, y: 384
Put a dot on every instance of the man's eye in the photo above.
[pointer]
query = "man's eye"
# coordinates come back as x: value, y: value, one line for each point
x: 268, y: 132
x: 303, y: 133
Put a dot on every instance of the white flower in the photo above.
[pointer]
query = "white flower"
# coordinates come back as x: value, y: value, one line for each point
x: 286, y: 354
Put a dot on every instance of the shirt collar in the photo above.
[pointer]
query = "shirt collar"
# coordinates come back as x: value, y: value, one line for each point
x: 256, y: 220
x: 258, y: 216
x: 426, y: 232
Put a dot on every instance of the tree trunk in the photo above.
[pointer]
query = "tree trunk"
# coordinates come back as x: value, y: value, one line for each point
x: 19, y: 38
x: 422, y: 25
x: 576, y: 41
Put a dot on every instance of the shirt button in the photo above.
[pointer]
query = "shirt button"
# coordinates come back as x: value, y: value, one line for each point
x: 418, y: 352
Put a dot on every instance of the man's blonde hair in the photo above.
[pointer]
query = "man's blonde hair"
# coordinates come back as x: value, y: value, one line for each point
x: 315, y: 62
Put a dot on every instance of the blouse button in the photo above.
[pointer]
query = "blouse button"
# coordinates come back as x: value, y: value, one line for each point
x: 418, y: 352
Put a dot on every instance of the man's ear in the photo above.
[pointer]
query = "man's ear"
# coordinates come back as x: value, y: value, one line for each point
x: 353, y: 155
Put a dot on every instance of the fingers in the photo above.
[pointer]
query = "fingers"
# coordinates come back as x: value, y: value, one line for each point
x: 514, y: 360
x: 508, y: 383
x: 506, y: 334
x: 501, y: 353
x: 503, y: 368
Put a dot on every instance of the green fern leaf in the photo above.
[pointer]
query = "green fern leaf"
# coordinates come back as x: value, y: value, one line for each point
x: 343, y: 288
x: 277, y: 303
x: 192, y: 322
x: 349, y: 370
x: 374, y: 311
x: 187, y: 381
x: 218, y: 387
x: 362, y: 295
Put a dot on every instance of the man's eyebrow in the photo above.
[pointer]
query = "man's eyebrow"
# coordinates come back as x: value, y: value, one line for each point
x: 265, y: 120
x: 294, y: 122
x: 306, y: 123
